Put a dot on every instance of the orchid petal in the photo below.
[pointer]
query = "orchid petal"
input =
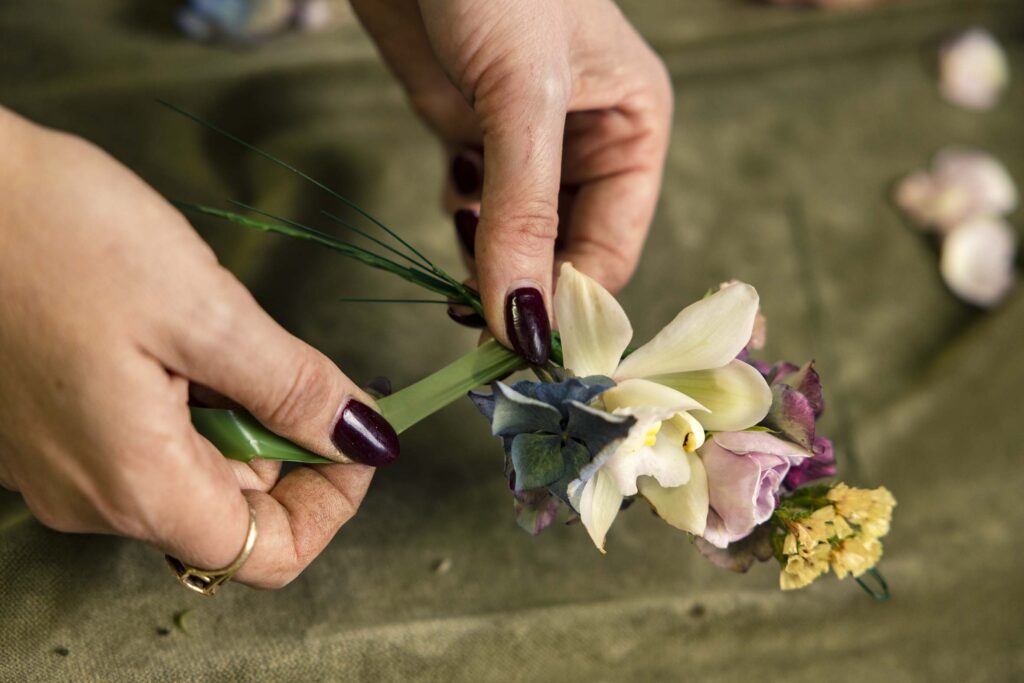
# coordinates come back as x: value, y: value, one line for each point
x: 599, y: 505
x: 706, y: 334
x: 642, y: 392
x: 665, y: 461
x: 736, y: 394
x: 594, y: 328
x: 684, y: 507
x: 692, y: 430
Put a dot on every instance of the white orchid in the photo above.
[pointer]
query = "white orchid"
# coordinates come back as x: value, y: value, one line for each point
x: 682, y: 382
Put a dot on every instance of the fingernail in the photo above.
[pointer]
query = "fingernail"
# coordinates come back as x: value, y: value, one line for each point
x: 464, y: 315
x: 364, y: 435
x: 468, y: 171
x: 465, y: 227
x: 527, y: 325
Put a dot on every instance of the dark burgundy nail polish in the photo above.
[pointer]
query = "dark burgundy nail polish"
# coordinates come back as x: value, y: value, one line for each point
x: 465, y: 227
x: 364, y: 435
x: 527, y: 325
x: 468, y: 172
x: 464, y: 315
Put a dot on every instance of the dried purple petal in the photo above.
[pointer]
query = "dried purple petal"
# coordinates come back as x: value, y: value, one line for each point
x: 740, y: 555
x: 821, y: 465
x: 535, y: 510
x: 791, y: 415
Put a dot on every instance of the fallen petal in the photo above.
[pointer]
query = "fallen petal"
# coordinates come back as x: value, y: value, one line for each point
x: 973, y: 70
x: 977, y: 261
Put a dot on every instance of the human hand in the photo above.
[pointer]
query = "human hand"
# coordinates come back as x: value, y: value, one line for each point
x: 110, y: 305
x: 571, y: 110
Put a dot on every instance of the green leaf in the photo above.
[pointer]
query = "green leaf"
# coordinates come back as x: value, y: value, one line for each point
x: 537, y: 459
x: 240, y: 436
x: 480, y: 366
x: 575, y: 457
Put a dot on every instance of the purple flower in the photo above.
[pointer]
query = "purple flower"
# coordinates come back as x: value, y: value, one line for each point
x: 745, y: 471
x: 820, y: 465
x: 797, y: 401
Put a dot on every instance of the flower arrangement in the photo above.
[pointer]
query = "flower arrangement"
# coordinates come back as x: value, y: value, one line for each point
x: 722, y: 447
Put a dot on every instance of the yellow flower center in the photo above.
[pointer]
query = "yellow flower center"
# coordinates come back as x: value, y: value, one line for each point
x: 689, y: 443
x: 651, y: 435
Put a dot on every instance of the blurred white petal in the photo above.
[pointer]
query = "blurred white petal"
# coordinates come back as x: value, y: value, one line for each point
x: 594, y: 328
x: 963, y: 183
x: 977, y: 260
x: 982, y: 177
x: 973, y: 70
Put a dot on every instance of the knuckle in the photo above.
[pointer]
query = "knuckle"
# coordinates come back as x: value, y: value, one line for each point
x: 531, y: 232
x: 308, y: 389
x: 504, y: 90
x: 551, y: 89
x: 215, y: 316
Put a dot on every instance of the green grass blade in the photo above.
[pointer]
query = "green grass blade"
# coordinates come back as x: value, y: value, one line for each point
x: 416, y: 277
x: 381, y: 243
x: 266, y: 155
x: 367, y: 300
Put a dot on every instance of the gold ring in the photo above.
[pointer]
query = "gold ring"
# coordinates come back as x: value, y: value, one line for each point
x: 207, y: 581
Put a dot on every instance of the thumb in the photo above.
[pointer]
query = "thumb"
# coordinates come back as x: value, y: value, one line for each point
x: 238, y: 350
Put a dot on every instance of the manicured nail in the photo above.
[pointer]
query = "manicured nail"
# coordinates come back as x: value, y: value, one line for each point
x: 464, y: 315
x: 465, y: 227
x: 364, y: 435
x: 468, y: 172
x: 527, y: 324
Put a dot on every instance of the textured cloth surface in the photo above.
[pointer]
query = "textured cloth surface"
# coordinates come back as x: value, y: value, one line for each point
x: 790, y: 128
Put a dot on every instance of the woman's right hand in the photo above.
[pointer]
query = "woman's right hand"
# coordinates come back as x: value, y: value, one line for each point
x: 110, y: 306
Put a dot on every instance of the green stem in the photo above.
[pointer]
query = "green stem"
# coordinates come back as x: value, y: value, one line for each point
x: 240, y: 436
x: 483, y: 365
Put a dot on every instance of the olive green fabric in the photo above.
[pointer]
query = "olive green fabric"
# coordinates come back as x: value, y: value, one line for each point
x: 790, y: 127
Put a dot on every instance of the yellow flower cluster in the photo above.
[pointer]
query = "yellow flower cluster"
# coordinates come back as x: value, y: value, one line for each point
x: 870, y: 509
x: 842, y: 536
